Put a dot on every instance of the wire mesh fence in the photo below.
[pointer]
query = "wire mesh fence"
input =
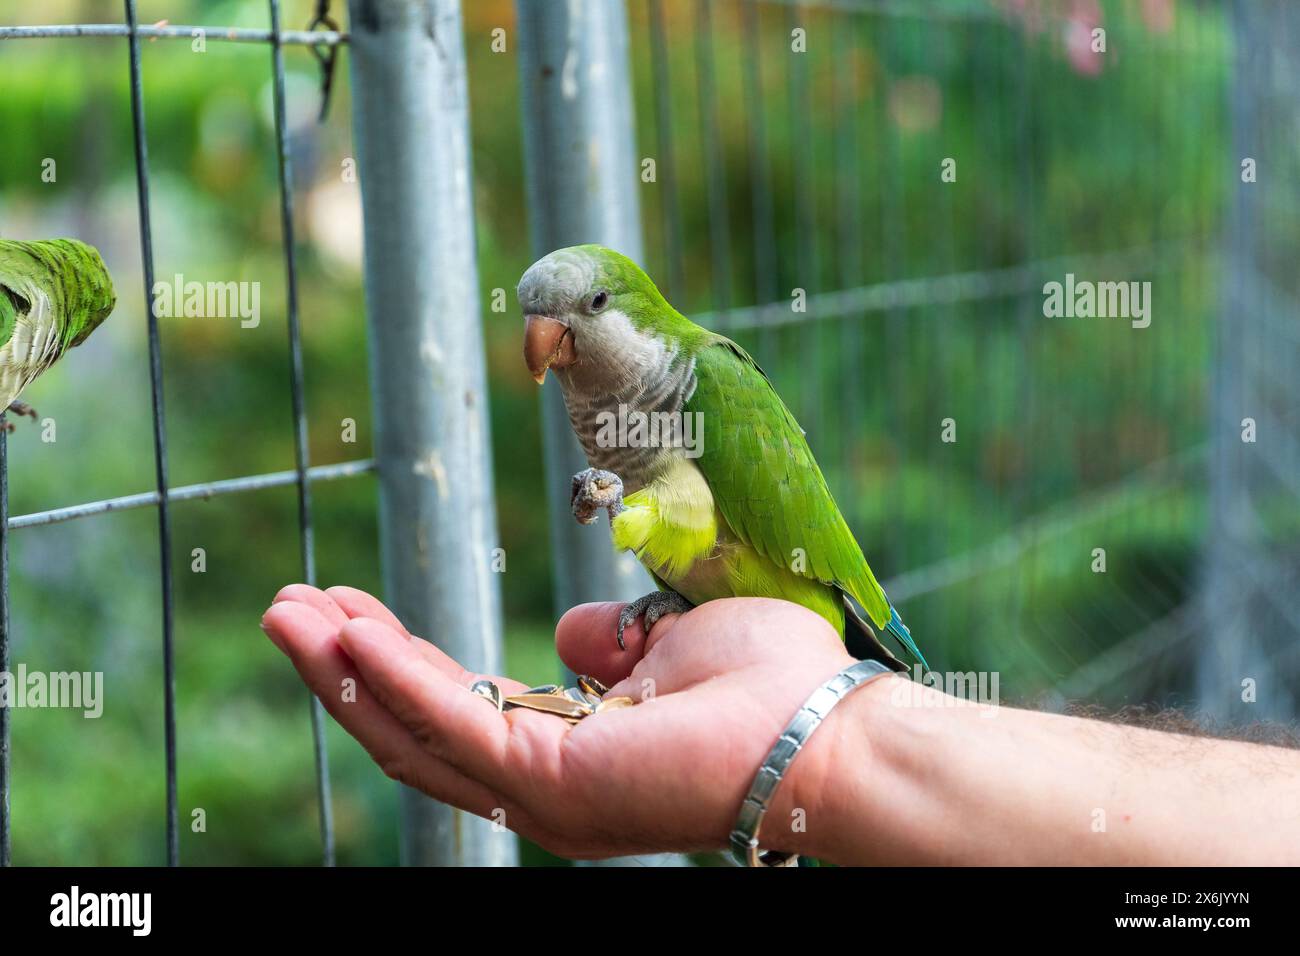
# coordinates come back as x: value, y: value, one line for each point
x: 164, y: 496
x: 876, y: 198
x: 1033, y: 487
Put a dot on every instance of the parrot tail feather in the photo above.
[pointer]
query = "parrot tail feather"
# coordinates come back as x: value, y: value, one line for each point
x: 897, y: 628
x: 861, y: 640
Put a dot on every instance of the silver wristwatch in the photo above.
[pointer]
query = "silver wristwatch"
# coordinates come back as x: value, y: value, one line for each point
x: 744, y: 838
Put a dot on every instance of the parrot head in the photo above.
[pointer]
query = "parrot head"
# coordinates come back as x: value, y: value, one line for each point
x: 594, y: 317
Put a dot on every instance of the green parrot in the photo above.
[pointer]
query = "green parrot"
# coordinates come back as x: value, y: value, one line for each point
x: 53, y: 294
x: 706, y: 476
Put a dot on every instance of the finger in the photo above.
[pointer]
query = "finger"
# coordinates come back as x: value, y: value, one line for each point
x: 316, y: 598
x: 455, y: 725
x: 357, y: 603
x: 587, y: 641
x: 309, y: 640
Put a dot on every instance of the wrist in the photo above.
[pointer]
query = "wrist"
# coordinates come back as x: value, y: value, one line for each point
x: 819, y: 807
x: 886, y: 775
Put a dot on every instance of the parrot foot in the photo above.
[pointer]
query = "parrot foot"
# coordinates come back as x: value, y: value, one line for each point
x: 20, y: 408
x: 652, y: 607
x: 594, y: 489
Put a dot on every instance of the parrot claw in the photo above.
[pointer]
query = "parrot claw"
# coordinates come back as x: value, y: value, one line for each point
x: 594, y: 489
x: 652, y: 607
x: 18, y: 408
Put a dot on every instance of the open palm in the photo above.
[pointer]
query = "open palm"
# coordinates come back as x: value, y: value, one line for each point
x: 715, y: 686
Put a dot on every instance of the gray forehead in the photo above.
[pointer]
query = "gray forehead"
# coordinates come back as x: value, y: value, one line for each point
x: 556, y: 281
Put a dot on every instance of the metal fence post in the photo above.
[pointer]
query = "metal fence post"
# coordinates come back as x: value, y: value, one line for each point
x: 1249, y: 608
x: 581, y: 167
x: 428, y: 378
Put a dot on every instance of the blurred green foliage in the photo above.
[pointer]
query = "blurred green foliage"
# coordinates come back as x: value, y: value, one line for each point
x: 1052, y: 161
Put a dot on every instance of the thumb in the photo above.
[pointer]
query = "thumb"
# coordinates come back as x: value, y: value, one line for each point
x: 587, y: 641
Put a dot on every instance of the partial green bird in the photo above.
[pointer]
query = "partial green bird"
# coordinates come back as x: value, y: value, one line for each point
x: 53, y: 294
x: 706, y: 475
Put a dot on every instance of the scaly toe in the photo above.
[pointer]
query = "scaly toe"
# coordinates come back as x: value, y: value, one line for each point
x: 625, y: 617
x: 593, y: 490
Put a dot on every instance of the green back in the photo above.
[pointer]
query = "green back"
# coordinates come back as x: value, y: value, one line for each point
x: 71, y: 274
x: 765, y: 480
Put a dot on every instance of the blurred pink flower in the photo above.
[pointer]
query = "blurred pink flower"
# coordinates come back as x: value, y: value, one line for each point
x: 1158, y: 15
x: 1083, y: 18
x: 1028, y: 12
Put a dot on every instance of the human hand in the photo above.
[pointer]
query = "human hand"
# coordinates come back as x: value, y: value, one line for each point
x: 715, y: 687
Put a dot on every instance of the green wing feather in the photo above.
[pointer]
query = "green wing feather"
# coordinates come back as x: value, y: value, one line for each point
x: 765, y: 480
x: 69, y: 273
x: 8, y: 314
x: 53, y: 294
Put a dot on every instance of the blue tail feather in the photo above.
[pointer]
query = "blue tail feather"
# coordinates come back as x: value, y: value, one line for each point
x: 904, y: 636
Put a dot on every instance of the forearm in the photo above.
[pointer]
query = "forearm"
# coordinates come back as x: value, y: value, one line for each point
x: 912, y: 780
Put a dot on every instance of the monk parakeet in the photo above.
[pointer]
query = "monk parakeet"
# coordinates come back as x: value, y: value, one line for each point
x: 53, y: 294
x: 738, y: 510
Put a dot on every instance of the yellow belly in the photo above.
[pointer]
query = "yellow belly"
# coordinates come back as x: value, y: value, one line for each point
x: 675, y: 529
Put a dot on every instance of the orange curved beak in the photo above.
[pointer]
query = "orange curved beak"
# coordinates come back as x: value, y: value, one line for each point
x: 548, y: 343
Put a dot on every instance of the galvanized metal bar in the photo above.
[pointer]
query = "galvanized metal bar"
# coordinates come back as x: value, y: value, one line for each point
x: 939, y: 290
x: 1245, y: 481
x: 161, y: 32
x: 5, y: 848
x: 581, y: 169
x: 159, y: 434
x: 199, y: 492
x: 428, y: 377
x: 306, y: 544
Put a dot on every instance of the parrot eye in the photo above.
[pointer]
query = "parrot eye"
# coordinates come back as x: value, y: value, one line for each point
x: 599, y: 301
